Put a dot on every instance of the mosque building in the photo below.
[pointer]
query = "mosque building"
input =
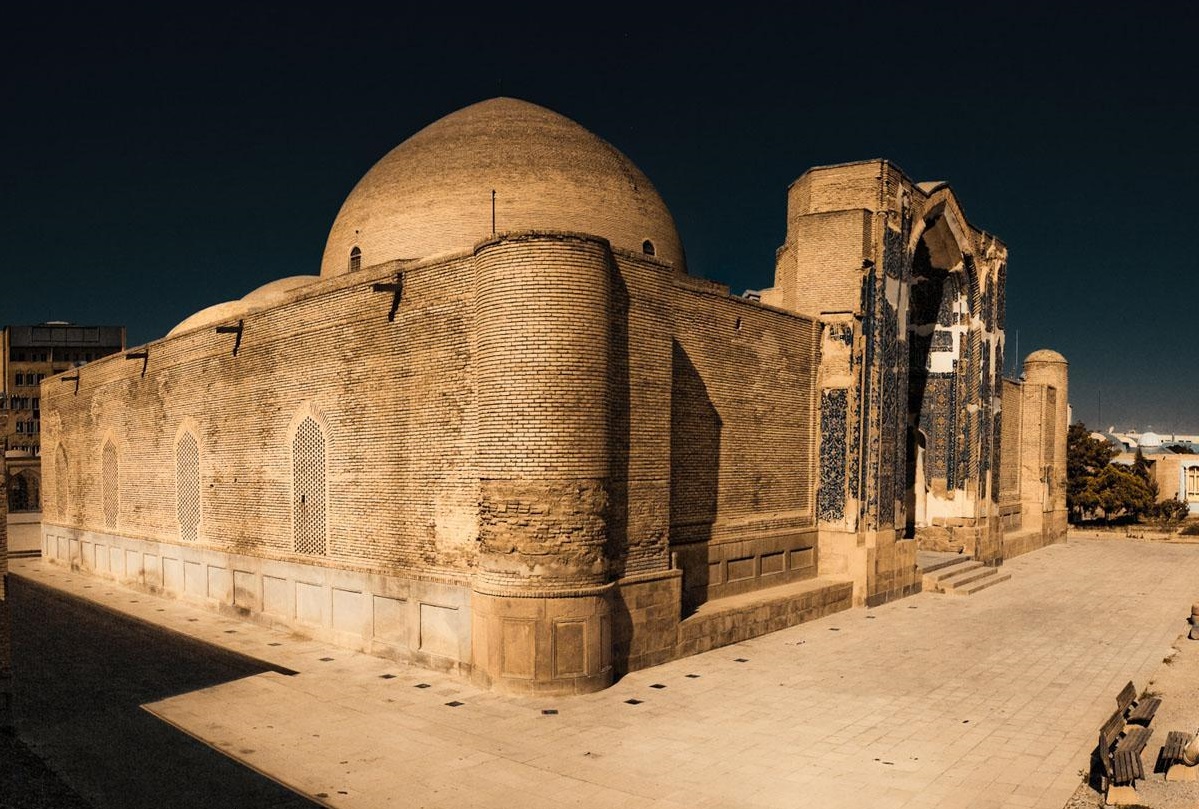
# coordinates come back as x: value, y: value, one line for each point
x: 505, y: 431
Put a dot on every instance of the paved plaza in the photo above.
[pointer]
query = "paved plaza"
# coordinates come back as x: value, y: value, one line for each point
x: 992, y: 700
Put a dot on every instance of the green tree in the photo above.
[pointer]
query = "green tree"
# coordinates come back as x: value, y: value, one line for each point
x: 1119, y: 493
x: 1169, y: 513
x: 1086, y: 457
x: 1144, y: 470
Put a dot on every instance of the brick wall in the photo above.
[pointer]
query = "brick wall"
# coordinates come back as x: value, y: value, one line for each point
x: 395, y: 398
x: 1009, y: 471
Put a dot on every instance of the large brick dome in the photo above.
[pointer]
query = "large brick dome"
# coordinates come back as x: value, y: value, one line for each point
x: 432, y: 193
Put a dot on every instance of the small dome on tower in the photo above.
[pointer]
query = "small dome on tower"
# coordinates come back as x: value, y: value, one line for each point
x: 1045, y: 355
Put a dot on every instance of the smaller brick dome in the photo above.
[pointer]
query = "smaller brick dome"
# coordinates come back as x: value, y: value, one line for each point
x: 269, y: 294
x: 432, y: 194
x: 1045, y: 355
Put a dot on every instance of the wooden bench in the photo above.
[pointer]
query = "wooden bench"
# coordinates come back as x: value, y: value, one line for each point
x: 1172, y: 757
x: 1120, y: 747
x: 1136, y: 712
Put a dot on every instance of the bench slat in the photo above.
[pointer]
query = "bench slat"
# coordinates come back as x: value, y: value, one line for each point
x: 1176, y: 742
x: 1112, y: 727
x: 1126, y: 697
x: 1127, y: 766
x: 1143, y: 711
x: 1135, y: 739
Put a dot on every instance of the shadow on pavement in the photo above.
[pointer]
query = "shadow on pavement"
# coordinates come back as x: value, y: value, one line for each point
x: 80, y: 675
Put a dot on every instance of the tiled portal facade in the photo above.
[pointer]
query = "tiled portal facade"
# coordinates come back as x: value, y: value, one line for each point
x: 505, y: 432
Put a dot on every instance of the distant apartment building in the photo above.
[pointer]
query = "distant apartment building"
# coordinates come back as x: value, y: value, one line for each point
x: 29, y: 354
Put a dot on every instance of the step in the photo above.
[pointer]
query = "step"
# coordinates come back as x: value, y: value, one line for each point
x: 980, y: 571
x: 928, y: 561
x: 981, y: 584
x: 939, y: 576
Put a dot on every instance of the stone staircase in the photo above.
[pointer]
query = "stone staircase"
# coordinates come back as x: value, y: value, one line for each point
x: 956, y: 574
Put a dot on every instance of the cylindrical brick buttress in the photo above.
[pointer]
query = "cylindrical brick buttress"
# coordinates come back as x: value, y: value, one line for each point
x: 1047, y: 367
x: 543, y: 326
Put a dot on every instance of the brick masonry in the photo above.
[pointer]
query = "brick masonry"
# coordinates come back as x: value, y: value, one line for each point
x: 546, y: 457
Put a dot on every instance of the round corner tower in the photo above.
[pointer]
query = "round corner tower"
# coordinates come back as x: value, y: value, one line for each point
x: 543, y: 325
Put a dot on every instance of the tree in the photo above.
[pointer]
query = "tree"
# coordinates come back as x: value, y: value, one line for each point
x: 1141, y: 468
x: 1086, y: 457
x: 1119, y: 493
x: 1169, y: 513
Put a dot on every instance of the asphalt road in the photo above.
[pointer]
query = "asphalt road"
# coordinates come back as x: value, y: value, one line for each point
x: 80, y: 675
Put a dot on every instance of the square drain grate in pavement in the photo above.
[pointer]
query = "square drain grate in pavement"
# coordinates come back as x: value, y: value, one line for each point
x: 691, y: 676
x: 633, y: 701
x: 740, y: 659
x: 230, y: 631
x: 454, y: 703
x: 422, y: 685
x: 276, y: 643
x: 387, y: 676
x: 549, y: 711
x: 657, y: 685
x: 326, y: 660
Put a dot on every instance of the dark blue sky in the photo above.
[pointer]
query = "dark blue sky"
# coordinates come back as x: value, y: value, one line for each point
x: 160, y: 160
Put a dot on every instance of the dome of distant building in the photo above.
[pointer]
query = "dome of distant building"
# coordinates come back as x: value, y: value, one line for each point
x: 432, y: 194
x: 1149, y: 440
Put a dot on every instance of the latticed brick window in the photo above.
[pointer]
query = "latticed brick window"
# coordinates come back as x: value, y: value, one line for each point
x: 109, y: 478
x: 187, y: 486
x: 61, y: 483
x: 308, y: 483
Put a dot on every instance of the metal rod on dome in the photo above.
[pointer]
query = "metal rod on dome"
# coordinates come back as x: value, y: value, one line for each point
x: 493, y: 212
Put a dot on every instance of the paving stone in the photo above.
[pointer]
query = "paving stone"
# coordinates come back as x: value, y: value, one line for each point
x: 992, y: 701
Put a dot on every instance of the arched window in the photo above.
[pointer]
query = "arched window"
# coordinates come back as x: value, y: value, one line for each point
x: 355, y: 259
x: 61, y: 482
x: 647, y: 247
x: 110, y: 479
x: 308, y: 488
x: 187, y: 486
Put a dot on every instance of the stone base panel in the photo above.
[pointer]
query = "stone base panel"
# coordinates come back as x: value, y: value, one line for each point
x: 896, y: 575
x: 1028, y: 541
x: 744, y: 617
x: 713, y: 570
x: 425, y: 623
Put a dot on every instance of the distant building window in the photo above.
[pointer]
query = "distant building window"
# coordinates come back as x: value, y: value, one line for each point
x: 1193, y: 484
x: 647, y: 247
x: 110, y: 483
x: 20, y: 427
x: 355, y: 259
x: 37, y: 403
